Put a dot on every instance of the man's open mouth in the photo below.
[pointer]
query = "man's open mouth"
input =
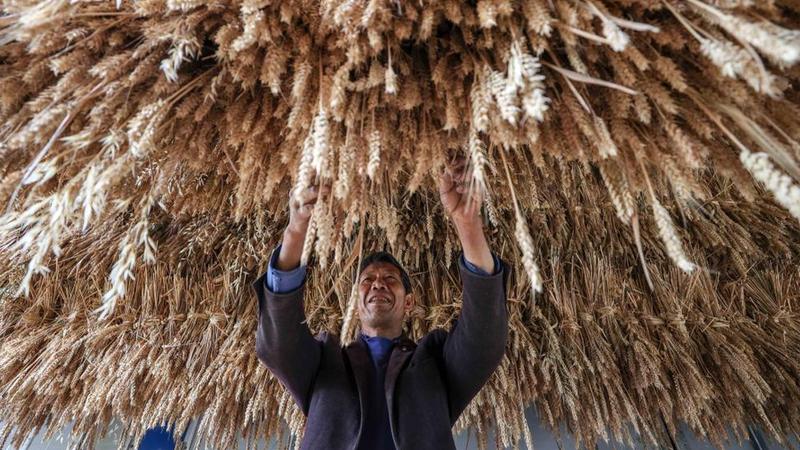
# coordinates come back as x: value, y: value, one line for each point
x: 379, y: 299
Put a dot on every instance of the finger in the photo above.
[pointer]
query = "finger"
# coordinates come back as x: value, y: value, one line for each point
x: 479, y: 197
x: 317, y: 191
x: 294, y: 194
x: 298, y: 191
x: 455, y: 160
x: 445, y: 182
x: 307, y: 210
x: 458, y: 162
x: 455, y: 155
x: 472, y: 206
x: 295, y: 203
x: 476, y: 199
x: 313, y: 197
x: 307, y: 201
x: 308, y: 195
x: 454, y: 170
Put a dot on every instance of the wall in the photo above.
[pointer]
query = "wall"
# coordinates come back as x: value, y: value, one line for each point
x: 542, y: 437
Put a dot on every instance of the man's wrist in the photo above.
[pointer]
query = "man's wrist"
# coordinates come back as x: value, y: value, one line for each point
x: 295, y: 231
x: 468, y: 227
x: 291, y: 248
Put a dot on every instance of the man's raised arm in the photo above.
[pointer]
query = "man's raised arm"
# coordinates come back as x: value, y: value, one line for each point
x: 476, y: 344
x: 283, y: 341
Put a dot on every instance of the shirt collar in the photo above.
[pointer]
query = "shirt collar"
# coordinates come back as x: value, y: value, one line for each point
x: 378, y: 338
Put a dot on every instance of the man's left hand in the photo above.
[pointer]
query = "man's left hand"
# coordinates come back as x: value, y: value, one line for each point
x: 463, y: 207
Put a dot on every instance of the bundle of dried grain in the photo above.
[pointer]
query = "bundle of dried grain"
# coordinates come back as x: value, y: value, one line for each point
x: 639, y: 160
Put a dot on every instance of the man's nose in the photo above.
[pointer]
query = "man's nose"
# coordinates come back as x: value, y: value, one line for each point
x: 378, y: 284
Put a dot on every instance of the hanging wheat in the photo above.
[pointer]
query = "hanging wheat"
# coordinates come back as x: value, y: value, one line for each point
x: 148, y: 150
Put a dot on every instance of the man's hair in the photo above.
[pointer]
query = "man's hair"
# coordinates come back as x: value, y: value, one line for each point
x: 387, y: 258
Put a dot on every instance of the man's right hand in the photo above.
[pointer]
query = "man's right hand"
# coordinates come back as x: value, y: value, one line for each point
x: 301, y: 207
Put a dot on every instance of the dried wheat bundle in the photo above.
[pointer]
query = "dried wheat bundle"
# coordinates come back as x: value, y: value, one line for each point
x: 640, y: 162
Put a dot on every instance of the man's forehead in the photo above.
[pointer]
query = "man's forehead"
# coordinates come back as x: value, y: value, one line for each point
x: 381, y: 266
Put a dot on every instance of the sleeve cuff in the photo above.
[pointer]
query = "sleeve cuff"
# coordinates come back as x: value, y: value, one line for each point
x: 283, y: 281
x: 475, y: 269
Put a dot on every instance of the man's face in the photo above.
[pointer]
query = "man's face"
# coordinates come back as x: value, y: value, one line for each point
x: 383, y: 301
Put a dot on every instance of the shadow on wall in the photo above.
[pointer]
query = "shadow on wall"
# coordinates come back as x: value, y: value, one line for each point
x: 543, y: 439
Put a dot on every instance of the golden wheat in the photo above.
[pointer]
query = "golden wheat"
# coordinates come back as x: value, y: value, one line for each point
x: 148, y: 151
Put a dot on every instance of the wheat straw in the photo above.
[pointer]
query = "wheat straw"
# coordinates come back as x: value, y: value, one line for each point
x: 148, y: 152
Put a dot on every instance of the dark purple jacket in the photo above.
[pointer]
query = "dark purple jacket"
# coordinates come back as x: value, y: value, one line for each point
x: 428, y: 384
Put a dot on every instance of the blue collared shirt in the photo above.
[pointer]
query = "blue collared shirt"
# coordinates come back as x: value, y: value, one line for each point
x: 283, y: 281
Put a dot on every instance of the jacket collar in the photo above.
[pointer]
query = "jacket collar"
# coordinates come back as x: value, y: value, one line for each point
x: 358, y: 354
x: 403, y: 339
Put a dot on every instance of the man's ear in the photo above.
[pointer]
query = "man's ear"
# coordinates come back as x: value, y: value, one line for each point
x: 409, y: 300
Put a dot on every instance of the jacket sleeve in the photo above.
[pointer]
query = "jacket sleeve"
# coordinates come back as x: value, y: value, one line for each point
x: 284, y: 342
x: 476, y: 343
x: 475, y: 269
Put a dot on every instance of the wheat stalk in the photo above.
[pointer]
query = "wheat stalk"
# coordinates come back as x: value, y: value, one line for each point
x: 523, y: 237
x: 786, y: 192
x: 477, y: 163
x: 374, y: 145
x: 122, y: 271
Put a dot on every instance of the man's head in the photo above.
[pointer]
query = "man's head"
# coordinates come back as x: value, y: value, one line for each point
x: 384, y: 294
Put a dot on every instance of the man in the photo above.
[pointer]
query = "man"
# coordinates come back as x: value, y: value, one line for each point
x: 384, y: 391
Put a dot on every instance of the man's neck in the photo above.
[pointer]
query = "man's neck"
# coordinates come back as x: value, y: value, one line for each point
x: 386, y: 333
